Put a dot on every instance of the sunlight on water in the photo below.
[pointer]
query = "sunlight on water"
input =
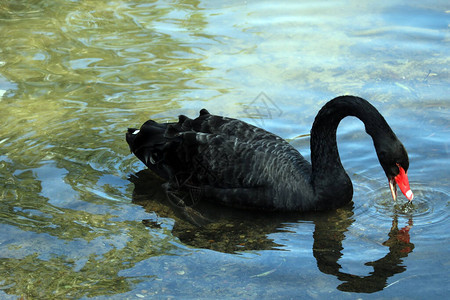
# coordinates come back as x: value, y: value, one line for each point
x: 77, y: 217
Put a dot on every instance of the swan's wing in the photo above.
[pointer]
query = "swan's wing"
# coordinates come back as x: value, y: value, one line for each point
x: 229, y: 127
x: 231, y: 153
x: 222, y: 157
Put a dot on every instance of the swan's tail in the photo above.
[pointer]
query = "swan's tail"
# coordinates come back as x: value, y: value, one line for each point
x: 151, y: 144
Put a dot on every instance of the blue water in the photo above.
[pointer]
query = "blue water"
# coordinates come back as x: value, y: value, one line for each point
x: 81, y: 218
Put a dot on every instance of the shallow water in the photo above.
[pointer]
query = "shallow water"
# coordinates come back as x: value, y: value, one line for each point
x: 80, y: 219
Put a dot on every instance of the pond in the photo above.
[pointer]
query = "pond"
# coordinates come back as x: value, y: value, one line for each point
x: 82, y: 218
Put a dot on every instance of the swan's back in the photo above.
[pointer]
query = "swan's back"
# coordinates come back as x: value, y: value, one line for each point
x: 224, y: 160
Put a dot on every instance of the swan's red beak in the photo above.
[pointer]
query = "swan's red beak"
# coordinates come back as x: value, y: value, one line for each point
x: 402, y: 181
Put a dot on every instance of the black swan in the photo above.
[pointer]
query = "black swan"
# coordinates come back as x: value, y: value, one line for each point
x: 237, y: 164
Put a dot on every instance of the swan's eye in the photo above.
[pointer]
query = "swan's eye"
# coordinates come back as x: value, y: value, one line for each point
x: 394, y: 170
x: 399, y: 167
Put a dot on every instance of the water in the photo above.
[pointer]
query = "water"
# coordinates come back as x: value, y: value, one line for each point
x: 80, y: 219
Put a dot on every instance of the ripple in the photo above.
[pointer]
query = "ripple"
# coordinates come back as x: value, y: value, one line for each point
x: 429, y: 206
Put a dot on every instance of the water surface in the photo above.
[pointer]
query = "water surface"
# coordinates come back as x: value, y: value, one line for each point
x: 79, y: 216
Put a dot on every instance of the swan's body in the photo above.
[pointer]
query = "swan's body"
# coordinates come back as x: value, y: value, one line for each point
x: 237, y: 164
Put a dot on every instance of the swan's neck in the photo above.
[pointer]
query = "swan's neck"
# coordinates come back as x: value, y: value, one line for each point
x: 332, y: 186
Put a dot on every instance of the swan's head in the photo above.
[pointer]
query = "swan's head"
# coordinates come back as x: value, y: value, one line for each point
x: 394, y: 160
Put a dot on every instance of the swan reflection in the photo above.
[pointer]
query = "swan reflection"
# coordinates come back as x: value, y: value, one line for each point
x: 227, y: 230
x: 327, y: 249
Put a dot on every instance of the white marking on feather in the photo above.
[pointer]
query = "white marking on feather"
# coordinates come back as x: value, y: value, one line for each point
x: 201, y: 137
x: 136, y: 131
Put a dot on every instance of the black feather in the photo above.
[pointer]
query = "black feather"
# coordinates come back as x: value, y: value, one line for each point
x: 232, y: 162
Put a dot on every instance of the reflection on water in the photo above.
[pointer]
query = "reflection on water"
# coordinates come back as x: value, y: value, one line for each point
x: 328, y: 246
x: 75, y: 74
x: 231, y: 230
